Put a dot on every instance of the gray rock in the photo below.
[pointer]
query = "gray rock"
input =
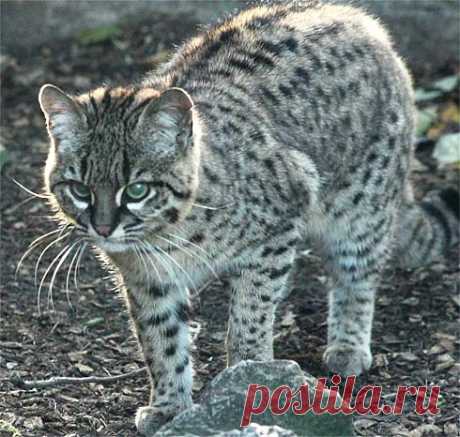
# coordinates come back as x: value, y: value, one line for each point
x: 220, y: 409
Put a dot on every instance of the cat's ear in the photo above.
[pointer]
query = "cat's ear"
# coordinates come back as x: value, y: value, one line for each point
x: 172, y: 115
x: 62, y: 113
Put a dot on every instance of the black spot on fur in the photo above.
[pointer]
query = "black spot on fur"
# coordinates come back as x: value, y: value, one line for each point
x: 241, y: 64
x: 270, y: 165
x: 330, y: 68
x: 269, y: 95
x: 302, y: 74
x: 172, y: 331
x: 277, y: 273
x: 267, y: 251
x: 291, y: 44
x: 227, y: 35
x: 349, y: 56
x: 372, y: 157
x: 280, y: 250
x: 225, y: 109
x: 357, y: 198
x: 367, y: 175
x: 183, y: 312
x: 158, y: 319
x: 393, y: 117
x: 210, y: 175
x: 385, y: 162
x: 157, y: 292
x: 287, y: 92
x: 172, y: 215
x: 170, y: 350
x: 209, y: 213
x: 270, y: 47
x: 197, y: 238
x: 261, y: 59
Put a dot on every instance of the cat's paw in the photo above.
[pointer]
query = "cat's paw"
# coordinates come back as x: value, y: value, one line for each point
x: 150, y: 419
x: 346, y: 360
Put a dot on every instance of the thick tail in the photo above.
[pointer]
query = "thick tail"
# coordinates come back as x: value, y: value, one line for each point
x: 428, y: 229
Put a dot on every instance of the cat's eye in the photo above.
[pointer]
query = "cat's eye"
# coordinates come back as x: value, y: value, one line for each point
x: 80, y: 191
x: 137, y: 191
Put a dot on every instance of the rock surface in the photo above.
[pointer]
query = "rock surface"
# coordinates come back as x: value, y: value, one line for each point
x: 220, y: 409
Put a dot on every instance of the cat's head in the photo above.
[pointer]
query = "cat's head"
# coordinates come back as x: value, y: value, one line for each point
x: 122, y: 163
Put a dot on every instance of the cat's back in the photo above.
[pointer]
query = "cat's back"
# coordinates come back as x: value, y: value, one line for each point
x: 322, y: 79
x: 272, y: 42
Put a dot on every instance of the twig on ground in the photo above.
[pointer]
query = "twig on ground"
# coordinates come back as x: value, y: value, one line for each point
x: 63, y: 380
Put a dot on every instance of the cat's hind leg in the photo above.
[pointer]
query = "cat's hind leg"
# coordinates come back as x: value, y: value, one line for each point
x: 356, y: 247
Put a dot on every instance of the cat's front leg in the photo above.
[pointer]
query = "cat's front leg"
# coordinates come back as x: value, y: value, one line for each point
x: 160, y: 315
x: 256, y: 290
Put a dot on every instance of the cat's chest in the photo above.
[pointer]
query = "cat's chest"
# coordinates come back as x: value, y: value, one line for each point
x: 180, y: 267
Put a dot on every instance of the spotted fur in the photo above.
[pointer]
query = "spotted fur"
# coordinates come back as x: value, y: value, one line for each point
x: 282, y: 123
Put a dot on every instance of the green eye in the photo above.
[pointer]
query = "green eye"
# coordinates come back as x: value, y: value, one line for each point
x: 80, y: 191
x: 137, y: 191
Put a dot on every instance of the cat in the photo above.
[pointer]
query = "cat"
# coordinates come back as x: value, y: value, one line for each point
x: 282, y: 123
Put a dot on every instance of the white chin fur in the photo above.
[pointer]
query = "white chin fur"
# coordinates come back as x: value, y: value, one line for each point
x: 110, y: 246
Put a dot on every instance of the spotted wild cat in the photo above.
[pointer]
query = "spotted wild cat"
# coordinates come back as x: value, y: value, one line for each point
x: 283, y: 123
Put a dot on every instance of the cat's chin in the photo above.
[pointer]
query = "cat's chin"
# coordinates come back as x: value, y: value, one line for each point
x: 112, y: 246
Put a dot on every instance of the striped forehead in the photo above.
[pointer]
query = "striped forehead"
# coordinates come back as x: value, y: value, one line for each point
x: 114, y: 168
x: 109, y: 150
x: 106, y: 105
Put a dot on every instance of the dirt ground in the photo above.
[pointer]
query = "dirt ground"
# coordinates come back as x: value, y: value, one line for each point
x: 415, y: 331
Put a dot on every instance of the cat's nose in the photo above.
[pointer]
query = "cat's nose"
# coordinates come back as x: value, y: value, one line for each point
x: 104, y: 230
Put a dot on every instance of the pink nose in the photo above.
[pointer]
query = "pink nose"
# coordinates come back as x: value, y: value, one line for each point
x: 104, y: 230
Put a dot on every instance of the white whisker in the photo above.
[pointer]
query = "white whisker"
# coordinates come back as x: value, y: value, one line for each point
x: 53, y: 262
x: 138, y: 252
x: 213, y: 208
x: 56, y: 270
x: 69, y: 272
x: 149, y: 252
x: 40, y: 196
x: 44, y: 236
x: 191, y: 254
x: 178, y: 266
x: 36, y: 243
x: 37, y: 264
x: 77, y: 265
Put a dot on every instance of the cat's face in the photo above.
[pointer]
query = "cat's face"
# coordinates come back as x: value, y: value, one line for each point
x: 122, y: 164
